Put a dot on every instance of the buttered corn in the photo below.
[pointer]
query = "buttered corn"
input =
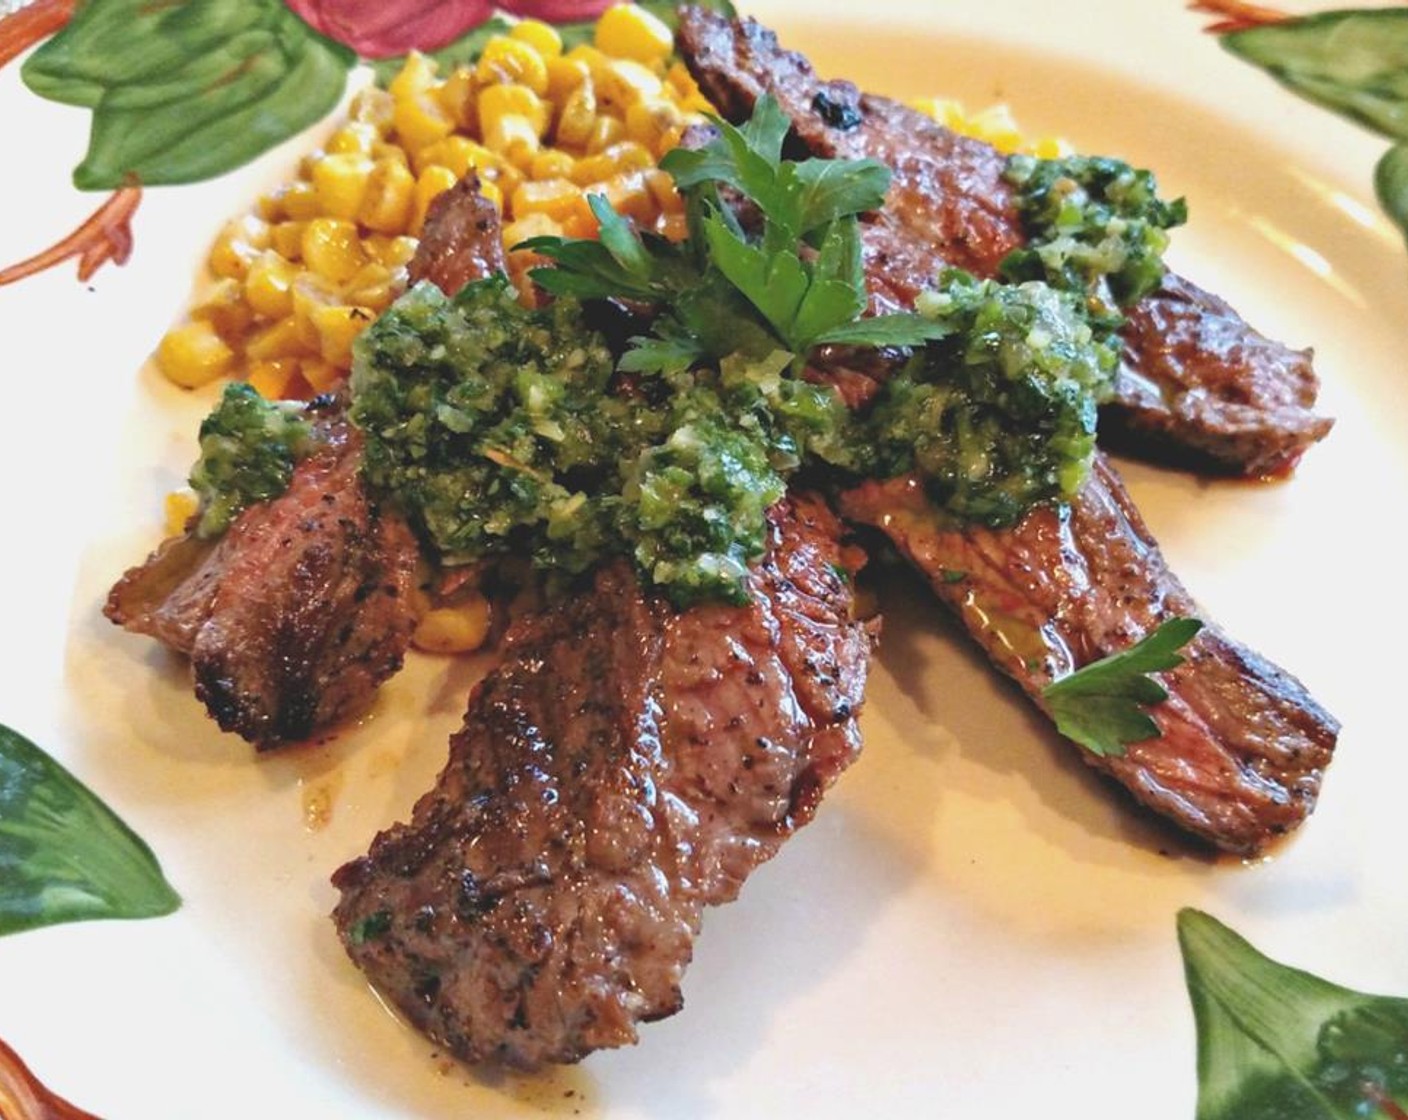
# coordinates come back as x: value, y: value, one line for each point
x: 296, y: 281
x: 993, y: 125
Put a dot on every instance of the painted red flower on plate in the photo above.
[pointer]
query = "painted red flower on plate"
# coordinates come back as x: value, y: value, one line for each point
x: 385, y: 28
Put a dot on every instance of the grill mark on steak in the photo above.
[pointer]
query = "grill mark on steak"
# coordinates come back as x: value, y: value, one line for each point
x: 623, y: 767
x: 1242, y: 744
x: 1197, y: 384
x: 298, y: 612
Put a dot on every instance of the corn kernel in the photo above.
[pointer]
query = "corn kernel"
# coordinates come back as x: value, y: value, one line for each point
x: 272, y: 378
x: 650, y: 119
x: 353, y: 138
x: 623, y: 82
x: 581, y: 225
x: 605, y: 132
x: 390, y: 251
x: 237, y: 245
x: 180, y: 506
x: 1052, y: 147
x: 320, y: 376
x: 373, y: 287
x: 417, y: 74
x: 542, y: 37
x: 310, y: 292
x: 373, y: 106
x: 297, y: 200
x: 553, y: 163
x: 385, y: 149
x: 432, y: 181
x: 386, y: 201
x: 337, y: 328
x: 678, y: 78
x: 662, y: 189
x: 589, y: 56
x: 492, y: 192
x: 331, y: 249
x: 421, y: 120
x: 267, y: 285
x: 457, y: 97
x: 512, y: 61
x: 278, y: 340
x: 565, y: 75
x: 531, y: 225
x: 557, y: 198
x: 340, y: 180
x: 193, y: 355
x: 629, y: 31
x: 458, y: 153
x: 673, y: 227
x: 996, y: 126
x: 629, y: 195
x: 578, y: 117
x: 510, y: 100
x: 287, y: 239
x: 223, y: 306
x: 513, y: 137
x: 457, y: 629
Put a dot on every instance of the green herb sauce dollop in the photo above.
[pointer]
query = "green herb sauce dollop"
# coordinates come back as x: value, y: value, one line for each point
x: 248, y: 449
x: 503, y: 430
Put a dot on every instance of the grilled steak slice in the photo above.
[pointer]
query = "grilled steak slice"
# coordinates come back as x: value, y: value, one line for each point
x: 461, y: 241
x: 1197, y: 383
x: 1198, y: 387
x: 1242, y: 745
x: 623, y: 767
x: 297, y: 613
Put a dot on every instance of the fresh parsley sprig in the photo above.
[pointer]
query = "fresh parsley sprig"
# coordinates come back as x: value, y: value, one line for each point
x: 793, y: 280
x: 1101, y: 706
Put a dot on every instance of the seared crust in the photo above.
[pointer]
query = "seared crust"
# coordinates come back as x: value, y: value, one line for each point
x: 1198, y: 385
x: 623, y: 767
x: 462, y: 239
x: 1242, y: 744
x: 294, y: 616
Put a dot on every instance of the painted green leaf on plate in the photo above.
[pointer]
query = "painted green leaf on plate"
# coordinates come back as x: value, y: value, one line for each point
x: 1277, y: 1043
x: 1354, y: 62
x: 1391, y: 184
x: 184, y: 92
x: 64, y: 855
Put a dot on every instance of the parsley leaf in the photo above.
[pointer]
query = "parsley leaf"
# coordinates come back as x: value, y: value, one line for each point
x: 1101, y: 706
x: 794, y: 282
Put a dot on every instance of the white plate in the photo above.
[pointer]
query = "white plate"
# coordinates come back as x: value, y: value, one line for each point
x: 975, y: 924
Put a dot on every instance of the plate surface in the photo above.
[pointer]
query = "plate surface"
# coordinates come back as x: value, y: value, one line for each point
x: 975, y: 924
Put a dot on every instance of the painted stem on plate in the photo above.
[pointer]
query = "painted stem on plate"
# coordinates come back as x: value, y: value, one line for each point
x: 106, y: 236
x: 1236, y: 15
x: 24, y: 1097
x: 37, y: 21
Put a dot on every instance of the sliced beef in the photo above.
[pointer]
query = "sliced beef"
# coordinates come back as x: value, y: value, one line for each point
x: 295, y: 616
x: 1198, y: 384
x: 623, y: 767
x: 297, y: 613
x: 1243, y: 745
x: 461, y: 241
x: 1199, y: 387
